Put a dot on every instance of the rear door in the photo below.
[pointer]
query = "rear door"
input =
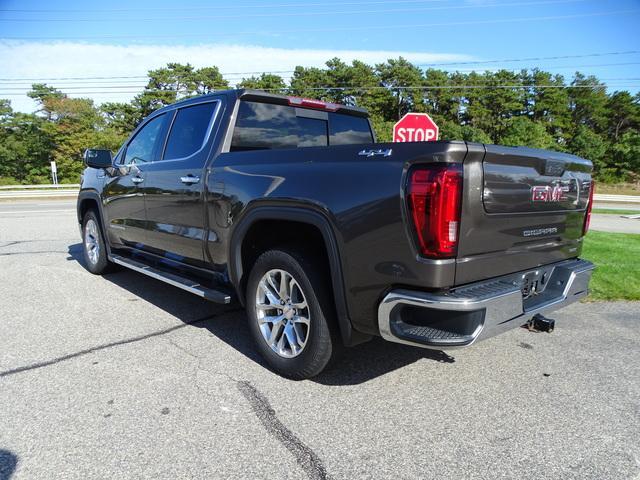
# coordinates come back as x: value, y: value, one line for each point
x: 522, y: 208
x: 174, y: 200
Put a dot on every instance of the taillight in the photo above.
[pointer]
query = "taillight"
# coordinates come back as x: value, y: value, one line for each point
x: 587, y: 218
x: 434, y: 197
x: 310, y: 103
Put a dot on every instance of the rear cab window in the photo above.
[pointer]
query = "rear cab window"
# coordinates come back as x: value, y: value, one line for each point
x: 189, y: 130
x: 265, y: 126
x: 348, y: 130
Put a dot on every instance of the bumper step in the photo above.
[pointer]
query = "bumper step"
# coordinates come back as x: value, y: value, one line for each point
x: 431, y: 336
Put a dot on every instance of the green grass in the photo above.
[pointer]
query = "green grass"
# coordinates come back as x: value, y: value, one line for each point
x: 617, y: 260
x: 616, y: 211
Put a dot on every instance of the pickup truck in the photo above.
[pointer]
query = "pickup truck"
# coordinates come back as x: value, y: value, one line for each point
x: 327, y: 238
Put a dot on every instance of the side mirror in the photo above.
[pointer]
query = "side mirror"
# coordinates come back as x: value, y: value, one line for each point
x: 95, y: 158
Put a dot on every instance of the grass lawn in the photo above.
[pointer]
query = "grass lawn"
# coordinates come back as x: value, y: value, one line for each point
x: 616, y: 211
x: 617, y: 260
x: 618, y: 188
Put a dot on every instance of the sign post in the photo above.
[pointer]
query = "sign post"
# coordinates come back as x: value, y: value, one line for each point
x: 415, y: 127
x: 54, y: 172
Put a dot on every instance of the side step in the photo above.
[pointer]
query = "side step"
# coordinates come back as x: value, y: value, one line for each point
x: 175, y: 280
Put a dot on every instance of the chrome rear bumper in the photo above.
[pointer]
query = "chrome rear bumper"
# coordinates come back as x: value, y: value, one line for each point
x: 480, y: 310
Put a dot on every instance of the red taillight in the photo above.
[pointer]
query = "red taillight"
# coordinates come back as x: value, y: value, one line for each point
x: 309, y: 103
x: 434, y: 197
x: 587, y: 218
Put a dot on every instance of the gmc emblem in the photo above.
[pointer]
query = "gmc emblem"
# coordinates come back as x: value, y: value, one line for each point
x: 544, y: 193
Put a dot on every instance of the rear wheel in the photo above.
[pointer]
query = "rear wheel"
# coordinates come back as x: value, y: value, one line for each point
x: 291, y: 314
x: 94, y: 250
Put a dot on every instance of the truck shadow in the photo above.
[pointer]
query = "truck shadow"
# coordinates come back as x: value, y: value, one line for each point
x: 356, y: 365
x: 8, y: 464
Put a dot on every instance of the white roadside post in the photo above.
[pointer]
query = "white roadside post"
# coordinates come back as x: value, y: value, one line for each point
x: 54, y: 172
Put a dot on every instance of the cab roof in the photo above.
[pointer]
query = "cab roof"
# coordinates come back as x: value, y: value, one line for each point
x: 266, y: 97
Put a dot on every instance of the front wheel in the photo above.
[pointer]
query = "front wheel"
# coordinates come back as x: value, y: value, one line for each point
x: 291, y: 314
x: 94, y: 250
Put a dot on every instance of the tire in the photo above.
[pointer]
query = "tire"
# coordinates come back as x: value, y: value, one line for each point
x: 299, y: 349
x: 94, y: 250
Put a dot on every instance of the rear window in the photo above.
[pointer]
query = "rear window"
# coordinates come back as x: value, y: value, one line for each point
x: 261, y: 126
x: 347, y: 130
x: 189, y: 130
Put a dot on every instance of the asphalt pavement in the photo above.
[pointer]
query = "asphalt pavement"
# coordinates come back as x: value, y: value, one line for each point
x: 614, y: 223
x: 122, y: 376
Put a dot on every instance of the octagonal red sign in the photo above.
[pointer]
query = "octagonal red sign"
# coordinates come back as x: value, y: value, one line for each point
x: 415, y: 127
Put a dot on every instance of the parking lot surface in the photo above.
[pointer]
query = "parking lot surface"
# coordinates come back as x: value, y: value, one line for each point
x: 125, y: 377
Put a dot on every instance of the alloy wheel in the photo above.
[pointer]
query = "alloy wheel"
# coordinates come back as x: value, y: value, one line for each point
x: 283, y: 313
x: 91, y: 243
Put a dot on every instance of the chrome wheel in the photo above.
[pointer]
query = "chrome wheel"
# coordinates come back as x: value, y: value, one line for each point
x: 91, y: 243
x: 282, y: 313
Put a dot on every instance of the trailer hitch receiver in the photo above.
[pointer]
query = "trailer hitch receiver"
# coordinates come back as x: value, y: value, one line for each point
x: 540, y: 323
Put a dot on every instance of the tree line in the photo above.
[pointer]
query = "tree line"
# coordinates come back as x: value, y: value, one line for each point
x: 530, y: 108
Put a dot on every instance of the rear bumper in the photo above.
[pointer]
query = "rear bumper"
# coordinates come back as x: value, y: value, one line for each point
x: 480, y: 310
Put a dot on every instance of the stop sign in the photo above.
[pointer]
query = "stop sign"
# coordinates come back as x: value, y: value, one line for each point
x: 415, y: 127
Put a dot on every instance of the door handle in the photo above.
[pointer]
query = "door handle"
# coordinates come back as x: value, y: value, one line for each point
x: 189, y: 180
x: 137, y: 179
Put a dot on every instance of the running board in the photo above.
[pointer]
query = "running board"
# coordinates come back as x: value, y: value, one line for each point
x: 175, y: 280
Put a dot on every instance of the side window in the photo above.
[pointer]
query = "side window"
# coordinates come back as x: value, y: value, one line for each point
x: 261, y: 126
x: 141, y: 148
x: 189, y: 130
x: 348, y: 130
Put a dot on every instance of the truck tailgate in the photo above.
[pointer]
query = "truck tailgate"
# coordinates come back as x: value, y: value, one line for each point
x: 522, y: 208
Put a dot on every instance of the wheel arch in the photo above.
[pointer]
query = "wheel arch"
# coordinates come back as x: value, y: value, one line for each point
x: 87, y: 200
x: 238, y: 272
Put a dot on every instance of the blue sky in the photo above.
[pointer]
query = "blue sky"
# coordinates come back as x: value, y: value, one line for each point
x: 55, y: 38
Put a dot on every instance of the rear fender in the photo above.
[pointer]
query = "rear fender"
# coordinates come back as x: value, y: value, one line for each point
x: 303, y: 215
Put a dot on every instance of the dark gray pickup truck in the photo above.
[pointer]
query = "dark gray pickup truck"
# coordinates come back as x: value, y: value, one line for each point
x: 289, y: 207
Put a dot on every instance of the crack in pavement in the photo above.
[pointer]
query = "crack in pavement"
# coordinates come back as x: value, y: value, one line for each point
x: 182, y: 349
x: 117, y: 343
x: 308, y: 460
x: 37, y: 252
x: 305, y: 456
x: 9, y: 243
x: 14, y: 242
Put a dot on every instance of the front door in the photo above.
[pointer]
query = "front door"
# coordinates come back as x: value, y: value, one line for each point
x: 125, y: 185
x: 174, y: 186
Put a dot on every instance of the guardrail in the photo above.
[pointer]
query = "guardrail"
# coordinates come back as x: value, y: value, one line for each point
x: 16, y: 192
x: 59, y: 186
x: 38, y: 194
x: 602, y: 197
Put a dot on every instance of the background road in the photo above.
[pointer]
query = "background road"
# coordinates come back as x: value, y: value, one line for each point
x: 614, y: 223
x: 123, y: 376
